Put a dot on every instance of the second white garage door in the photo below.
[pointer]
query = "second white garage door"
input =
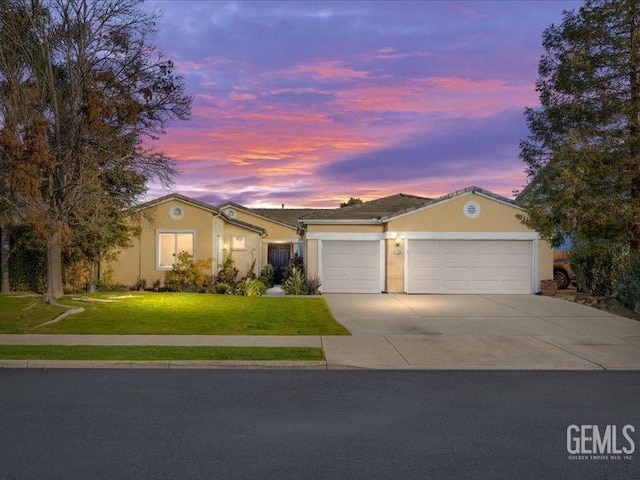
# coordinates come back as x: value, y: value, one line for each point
x: 469, y: 266
x: 350, y: 266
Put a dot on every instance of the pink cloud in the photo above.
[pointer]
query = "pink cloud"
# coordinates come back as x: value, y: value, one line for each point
x: 390, y: 53
x: 443, y: 95
x: 241, y: 96
x: 326, y: 70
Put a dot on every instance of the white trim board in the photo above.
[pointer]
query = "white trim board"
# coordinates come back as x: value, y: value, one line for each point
x: 424, y: 236
x: 383, y: 265
x: 281, y: 242
x: 464, y: 235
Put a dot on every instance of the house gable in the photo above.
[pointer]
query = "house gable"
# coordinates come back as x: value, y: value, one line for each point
x: 274, y: 230
x: 449, y: 215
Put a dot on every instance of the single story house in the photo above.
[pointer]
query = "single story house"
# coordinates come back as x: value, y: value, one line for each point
x: 469, y: 241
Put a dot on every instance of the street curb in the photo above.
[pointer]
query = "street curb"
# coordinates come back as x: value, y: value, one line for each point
x: 163, y: 364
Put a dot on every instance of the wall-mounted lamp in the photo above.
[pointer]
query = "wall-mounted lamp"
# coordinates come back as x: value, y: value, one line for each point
x: 397, y: 250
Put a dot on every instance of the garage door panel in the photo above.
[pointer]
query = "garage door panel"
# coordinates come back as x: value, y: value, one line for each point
x: 363, y: 262
x: 350, y: 266
x: 478, y: 273
x: 469, y: 266
x: 486, y: 260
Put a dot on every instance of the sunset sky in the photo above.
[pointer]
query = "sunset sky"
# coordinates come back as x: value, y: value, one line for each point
x: 309, y: 103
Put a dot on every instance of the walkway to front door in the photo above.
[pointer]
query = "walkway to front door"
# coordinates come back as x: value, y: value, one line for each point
x: 278, y: 256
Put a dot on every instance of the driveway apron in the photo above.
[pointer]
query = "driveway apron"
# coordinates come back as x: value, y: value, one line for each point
x: 528, y: 332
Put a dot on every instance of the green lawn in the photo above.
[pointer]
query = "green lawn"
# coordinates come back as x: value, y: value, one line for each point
x: 135, y: 353
x: 172, y: 313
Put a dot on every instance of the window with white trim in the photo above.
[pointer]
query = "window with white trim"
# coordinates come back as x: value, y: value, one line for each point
x: 238, y: 243
x: 172, y: 243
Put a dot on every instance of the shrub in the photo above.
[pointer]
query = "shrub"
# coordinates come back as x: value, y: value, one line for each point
x: 251, y: 287
x: 296, y: 263
x: 597, y: 264
x: 628, y: 290
x: 251, y: 271
x: 102, y: 286
x: 141, y: 284
x: 313, y: 285
x: 267, y: 275
x: 228, y: 273
x: 295, y: 284
x: 187, y: 275
x: 77, y: 275
x: 221, y: 288
x: 27, y: 261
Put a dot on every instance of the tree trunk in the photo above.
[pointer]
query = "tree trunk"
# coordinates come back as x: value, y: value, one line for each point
x: 54, y: 267
x: 4, y: 258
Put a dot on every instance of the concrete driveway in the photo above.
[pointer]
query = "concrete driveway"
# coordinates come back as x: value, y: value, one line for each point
x: 479, y: 332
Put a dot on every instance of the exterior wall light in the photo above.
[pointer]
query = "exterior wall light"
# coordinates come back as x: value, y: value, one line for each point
x: 398, y: 250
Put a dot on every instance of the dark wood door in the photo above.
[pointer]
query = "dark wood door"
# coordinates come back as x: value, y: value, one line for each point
x: 279, y: 256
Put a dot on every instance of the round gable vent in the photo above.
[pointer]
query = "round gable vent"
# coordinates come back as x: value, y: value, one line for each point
x: 176, y: 212
x: 230, y: 212
x: 471, y: 209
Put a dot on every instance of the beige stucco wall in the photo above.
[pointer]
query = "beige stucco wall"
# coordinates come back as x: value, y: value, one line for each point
x: 545, y: 261
x: 449, y: 217
x: 394, y: 266
x: 311, y: 257
x: 243, y: 258
x: 276, y: 233
x: 140, y: 260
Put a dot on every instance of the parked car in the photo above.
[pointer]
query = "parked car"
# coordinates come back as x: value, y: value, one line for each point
x: 562, y: 272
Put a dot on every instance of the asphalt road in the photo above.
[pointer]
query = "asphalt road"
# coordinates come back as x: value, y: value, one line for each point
x: 217, y: 424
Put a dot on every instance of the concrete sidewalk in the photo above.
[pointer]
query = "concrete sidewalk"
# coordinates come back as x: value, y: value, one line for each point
x: 404, y: 352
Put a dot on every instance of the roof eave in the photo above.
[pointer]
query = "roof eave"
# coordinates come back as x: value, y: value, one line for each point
x: 311, y: 221
x: 174, y: 196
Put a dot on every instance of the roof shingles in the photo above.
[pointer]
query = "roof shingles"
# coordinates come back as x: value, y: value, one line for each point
x: 371, y: 210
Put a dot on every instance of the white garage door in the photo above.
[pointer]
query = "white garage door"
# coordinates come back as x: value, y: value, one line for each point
x: 469, y: 266
x: 350, y: 266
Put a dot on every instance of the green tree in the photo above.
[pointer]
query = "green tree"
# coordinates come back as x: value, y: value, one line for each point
x: 85, y: 86
x: 583, y: 149
x: 351, y: 201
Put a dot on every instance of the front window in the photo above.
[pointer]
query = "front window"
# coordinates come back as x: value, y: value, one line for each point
x: 170, y: 244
